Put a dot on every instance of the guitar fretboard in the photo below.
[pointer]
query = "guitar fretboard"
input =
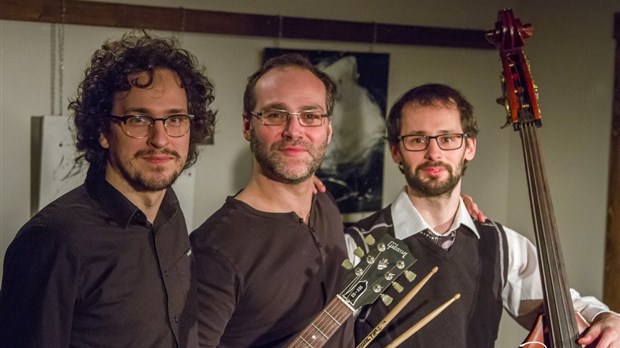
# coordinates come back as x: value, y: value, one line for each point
x: 323, y: 326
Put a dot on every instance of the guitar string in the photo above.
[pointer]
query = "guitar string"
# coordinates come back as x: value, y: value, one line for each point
x: 328, y: 324
x: 366, y: 270
x: 334, y: 303
x: 331, y: 324
x: 310, y: 329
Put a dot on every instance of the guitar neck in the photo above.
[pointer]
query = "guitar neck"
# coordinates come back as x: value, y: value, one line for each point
x: 324, y: 325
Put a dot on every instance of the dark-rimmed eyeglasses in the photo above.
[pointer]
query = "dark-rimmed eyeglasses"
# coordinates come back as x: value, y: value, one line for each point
x: 138, y: 126
x: 309, y: 118
x: 447, y: 142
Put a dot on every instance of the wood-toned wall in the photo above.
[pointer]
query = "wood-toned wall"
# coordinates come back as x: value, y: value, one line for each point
x: 216, y: 22
x: 611, y: 294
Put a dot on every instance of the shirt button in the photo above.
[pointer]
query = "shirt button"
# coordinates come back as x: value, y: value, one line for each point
x: 176, y: 320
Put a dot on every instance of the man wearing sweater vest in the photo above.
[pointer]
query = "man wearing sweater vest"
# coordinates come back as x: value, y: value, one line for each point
x: 432, y: 136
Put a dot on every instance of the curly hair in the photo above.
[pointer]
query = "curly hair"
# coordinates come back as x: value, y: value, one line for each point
x: 295, y: 60
x: 431, y: 95
x: 108, y: 74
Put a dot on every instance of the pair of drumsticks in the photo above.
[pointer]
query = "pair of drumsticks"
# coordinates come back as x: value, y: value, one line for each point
x: 400, y: 339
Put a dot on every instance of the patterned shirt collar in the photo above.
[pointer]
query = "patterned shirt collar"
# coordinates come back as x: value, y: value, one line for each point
x: 408, y: 221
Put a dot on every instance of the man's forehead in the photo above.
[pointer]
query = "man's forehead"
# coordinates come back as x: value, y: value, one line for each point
x: 421, y: 119
x: 433, y: 104
x: 290, y: 85
x: 150, y: 78
x: 160, y: 88
x: 286, y: 73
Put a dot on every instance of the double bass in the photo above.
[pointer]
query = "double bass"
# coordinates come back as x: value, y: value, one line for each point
x: 559, y: 326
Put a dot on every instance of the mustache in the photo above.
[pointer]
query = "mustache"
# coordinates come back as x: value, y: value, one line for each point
x: 153, y: 152
x: 432, y: 164
x: 280, y: 145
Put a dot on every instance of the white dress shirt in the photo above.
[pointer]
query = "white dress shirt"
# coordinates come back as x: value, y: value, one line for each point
x: 523, y: 281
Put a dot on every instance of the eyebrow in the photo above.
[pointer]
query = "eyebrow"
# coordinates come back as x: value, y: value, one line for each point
x: 146, y: 111
x: 280, y: 106
x: 440, y: 132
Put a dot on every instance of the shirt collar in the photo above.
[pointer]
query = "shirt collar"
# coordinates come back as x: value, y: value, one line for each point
x: 408, y: 221
x: 119, y: 208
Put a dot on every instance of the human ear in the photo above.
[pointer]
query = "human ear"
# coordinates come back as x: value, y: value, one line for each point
x: 103, y: 141
x: 247, y: 127
x: 395, y: 152
x: 470, y: 148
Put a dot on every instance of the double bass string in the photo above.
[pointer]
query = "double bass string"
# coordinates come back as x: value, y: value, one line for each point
x: 558, y: 307
x: 520, y: 100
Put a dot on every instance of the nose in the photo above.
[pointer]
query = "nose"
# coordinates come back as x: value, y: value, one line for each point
x: 433, y: 152
x: 158, y: 137
x: 292, y: 128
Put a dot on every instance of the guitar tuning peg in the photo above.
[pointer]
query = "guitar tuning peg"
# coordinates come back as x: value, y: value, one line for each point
x: 369, y: 239
x: 346, y: 264
x: 399, y: 288
x: 386, y: 299
x: 410, y: 275
x: 358, y: 252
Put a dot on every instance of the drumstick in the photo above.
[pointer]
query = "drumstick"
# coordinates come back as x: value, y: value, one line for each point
x: 371, y: 336
x: 400, y: 339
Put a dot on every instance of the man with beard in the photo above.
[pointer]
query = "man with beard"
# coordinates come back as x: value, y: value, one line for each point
x: 108, y: 264
x: 432, y: 135
x: 268, y: 261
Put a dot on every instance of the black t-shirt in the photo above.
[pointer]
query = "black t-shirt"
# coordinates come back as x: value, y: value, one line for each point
x: 262, y: 277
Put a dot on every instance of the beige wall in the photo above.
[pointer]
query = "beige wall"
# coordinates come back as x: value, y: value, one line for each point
x: 572, y: 62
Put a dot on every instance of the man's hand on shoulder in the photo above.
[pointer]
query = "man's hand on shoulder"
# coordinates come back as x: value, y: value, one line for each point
x: 472, y: 208
x: 318, y: 185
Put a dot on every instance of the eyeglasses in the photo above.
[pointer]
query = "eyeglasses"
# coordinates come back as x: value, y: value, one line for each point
x: 447, y: 142
x: 138, y: 127
x: 310, y: 118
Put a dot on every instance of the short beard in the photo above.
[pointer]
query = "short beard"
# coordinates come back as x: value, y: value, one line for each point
x: 433, y: 187
x: 274, y: 168
x: 140, y: 182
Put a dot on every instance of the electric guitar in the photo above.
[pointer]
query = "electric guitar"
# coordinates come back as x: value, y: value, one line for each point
x: 364, y: 284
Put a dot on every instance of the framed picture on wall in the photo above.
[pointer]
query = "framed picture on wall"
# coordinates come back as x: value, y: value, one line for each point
x: 353, y: 166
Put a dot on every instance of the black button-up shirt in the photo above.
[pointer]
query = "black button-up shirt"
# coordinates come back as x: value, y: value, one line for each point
x: 90, y: 271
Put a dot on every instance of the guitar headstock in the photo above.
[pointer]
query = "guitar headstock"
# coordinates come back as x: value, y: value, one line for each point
x: 378, y: 269
x: 520, y: 95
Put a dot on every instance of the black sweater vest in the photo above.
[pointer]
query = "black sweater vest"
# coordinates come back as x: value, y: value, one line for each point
x: 473, y: 267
